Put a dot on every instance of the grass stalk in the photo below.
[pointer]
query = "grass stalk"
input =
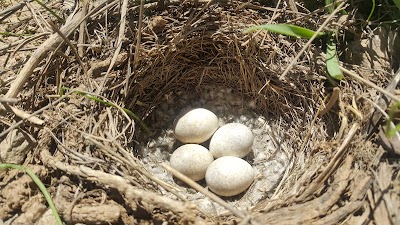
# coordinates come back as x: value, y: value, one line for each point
x: 41, y: 186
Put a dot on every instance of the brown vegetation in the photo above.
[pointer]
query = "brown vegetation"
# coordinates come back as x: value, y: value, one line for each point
x: 342, y: 168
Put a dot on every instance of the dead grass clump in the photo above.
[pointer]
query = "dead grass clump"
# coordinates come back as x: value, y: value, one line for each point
x: 91, y: 152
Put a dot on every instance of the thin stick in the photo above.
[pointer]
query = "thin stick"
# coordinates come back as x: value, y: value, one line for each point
x: 202, y: 190
x: 9, y: 11
x: 320, y: 9
x: 54, y: 40
x: 383, y: 102
x: 248, y: 5
x: 131, y: 194
x: 190, y: 22
x: 275, y: 12
x: 9, y: 100
x: 24, y: 115
x: 66, y: 40
x: 384, y: 114
x: 333, y: 164
x: 82, y: 27
x: 138, y: 36
x: 292, y: 5
x: 332, y: 101
x: 294, y: 61
x: 26, y: 41
x: 121, y: 35
x: 74, y: 154
x: 120, y: 158
x: 369, y: 83
x: 15, y: 125
x: 22, y: 42
x: 38, y: 55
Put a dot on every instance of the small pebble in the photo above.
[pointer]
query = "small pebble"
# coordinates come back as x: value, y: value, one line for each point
x: 229, y: 176
x: 191, y: 160
x: 232, y: 139
x: 195, y: 126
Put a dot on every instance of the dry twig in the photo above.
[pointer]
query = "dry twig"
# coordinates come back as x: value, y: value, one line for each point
x: 294, y: 61
x: 17, y: 124
x: 334, y: 98
x: 54, y: 40
x: 207, y: 193
x: 333, y: 164
x: 131, y: 194
x: 369, y: 83
x: 121, y: 35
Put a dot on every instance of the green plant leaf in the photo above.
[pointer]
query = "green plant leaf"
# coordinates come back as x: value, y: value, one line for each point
x: 397, y: 3
x: 332, y: 61
x: 285, y: 29
x: 391, y: 131
x: 41, y: 186
x: 330, y: 5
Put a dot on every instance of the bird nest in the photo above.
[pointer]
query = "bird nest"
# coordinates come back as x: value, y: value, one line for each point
x: 102, y: 147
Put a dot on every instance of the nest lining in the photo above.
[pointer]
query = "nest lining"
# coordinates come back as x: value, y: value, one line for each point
x: 267, y: 157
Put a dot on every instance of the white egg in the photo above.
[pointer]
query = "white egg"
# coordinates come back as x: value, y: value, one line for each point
x: 195, y: 126
x: 191, y: 160
x: 229, y: 176
x: 232, y: 139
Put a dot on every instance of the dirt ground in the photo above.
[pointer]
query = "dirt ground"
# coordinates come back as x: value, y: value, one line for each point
x: 89, y: 92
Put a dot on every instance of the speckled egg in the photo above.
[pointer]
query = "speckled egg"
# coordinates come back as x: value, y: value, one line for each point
x: 191, y: 160
x: 195, y: 126
x: 229, y: 176
x: 232, y: 139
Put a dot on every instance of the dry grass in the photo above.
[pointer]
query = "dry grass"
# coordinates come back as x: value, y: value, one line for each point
x: 85, y: 153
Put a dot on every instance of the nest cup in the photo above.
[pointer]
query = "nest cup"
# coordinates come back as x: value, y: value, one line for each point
x: 216, y: 58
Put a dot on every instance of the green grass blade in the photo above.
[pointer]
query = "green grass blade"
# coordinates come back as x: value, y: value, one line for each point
x: 41, y: 186
x: 372, y: 11
x: 285, y: 29
x: 61, y: 20
x: 330, y: 6
x: 109, y: 104
x: 332, y: 61
x: 390, y: 132
x: 397, y: 3
x: 393, y: 131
